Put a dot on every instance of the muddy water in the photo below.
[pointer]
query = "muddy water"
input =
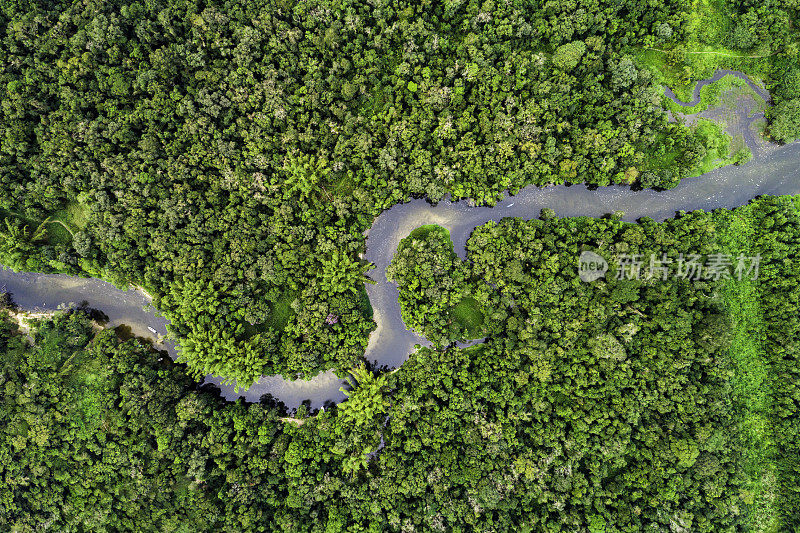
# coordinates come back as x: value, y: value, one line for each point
x: 131, y: 308
x: 391, y: 343
x: 775, y: 174
x: 49, y: 292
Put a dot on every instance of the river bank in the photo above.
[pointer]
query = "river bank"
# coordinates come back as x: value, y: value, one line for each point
x: 391, y: 343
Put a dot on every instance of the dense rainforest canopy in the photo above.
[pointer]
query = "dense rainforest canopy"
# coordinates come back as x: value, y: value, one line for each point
x: 229, y: 156
x: 618, y: 405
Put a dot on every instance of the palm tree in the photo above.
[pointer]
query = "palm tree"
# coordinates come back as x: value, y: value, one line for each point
x: 304, y: 174
x: 340, y: 273
x: 366, y: 401
x: 15, y: 236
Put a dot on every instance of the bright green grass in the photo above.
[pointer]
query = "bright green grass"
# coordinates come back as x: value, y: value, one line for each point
x: 73, y: 215
x: 344, y: 186
x: 60, y: 226
x: 750, y: 379
x: 423, y: 232
x: 64, y: 223
x: 281, y: 311
x: 720, y: 151
x: 708, y: 27
x: 468, y: 317
x: 366, y: 306
x: 57, y: 233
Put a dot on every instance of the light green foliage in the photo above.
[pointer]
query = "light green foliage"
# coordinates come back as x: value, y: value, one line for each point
x: 435, y: 287
x: 567, y: 56
x: 366, y: 402
x: 304, y: 175
x: 341, y: 273
x: 717, y: 148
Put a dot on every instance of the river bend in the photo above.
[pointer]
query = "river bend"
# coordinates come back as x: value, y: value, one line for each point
x: 774, y: 173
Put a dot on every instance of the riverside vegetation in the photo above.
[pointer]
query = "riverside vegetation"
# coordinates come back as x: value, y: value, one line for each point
x: 617, y: 405
x: 229, y: 157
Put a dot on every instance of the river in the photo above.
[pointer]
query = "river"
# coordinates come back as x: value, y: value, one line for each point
x: 776, y: 172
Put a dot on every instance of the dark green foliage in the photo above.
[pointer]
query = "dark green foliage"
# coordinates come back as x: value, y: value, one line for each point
x: 226, y: 154
x: 613, y: 403
x: 95, y: 436
x: 785, y: 125
x: 230, y: 156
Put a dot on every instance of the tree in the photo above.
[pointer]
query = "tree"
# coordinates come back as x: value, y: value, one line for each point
x: 567, y: 56
x: 342, y: 273
x: 785, y: 126
x: 624, y: 73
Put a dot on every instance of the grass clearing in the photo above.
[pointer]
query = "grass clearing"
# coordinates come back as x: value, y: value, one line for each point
x: 344, y: 186
x: 364, y: 303
x: 281, y: 311
x: 65, y: 222
x: 423, y: 232
x: 751, y: 377
x: 57, y: 233
x: 468, y: 318
x: 74, y: 215
x: 61, y: 225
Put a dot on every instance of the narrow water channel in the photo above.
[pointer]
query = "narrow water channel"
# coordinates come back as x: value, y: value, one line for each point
x: 775, y: 173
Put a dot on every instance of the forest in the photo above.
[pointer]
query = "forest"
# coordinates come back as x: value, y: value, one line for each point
x: 228, y: 157
x: 617, y: 405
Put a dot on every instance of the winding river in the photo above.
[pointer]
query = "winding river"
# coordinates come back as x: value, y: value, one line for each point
x: 776, y: 172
